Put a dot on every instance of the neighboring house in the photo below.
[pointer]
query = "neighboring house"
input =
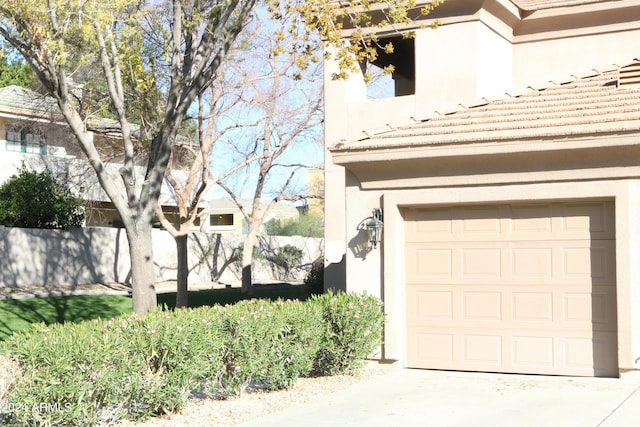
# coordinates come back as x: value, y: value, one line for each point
x: 27, y: 123
x: 32, y: 132
x: 225, y: 216
x: 315, y: 178
x: 507, y: 168
x: 314, y: 203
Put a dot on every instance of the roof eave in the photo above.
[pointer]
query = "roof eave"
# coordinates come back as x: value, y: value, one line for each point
x: 517, y: 162
x: 345, y: 156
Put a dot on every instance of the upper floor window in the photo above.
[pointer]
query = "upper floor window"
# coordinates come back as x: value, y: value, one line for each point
x: 401, y: 59
x: 25, y: 140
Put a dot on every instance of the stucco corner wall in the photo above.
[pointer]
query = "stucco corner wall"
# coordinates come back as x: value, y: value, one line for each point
x: 364, y: 262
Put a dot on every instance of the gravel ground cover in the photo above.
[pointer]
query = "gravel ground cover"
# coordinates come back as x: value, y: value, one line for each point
x: 253, y: 404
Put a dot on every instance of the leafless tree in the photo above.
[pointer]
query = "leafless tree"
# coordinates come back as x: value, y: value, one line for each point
x: 282, y: 108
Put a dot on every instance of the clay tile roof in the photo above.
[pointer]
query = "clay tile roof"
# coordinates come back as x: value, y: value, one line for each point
x: 581, y: 106
x: 531, y: 5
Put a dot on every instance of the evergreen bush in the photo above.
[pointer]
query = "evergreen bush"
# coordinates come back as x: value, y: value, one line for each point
x: 138, y: 366
x: 285, y: 335
x: 38, y: 200
x: 353, y: 331
x: 307, y: 225
x: 314, y: 281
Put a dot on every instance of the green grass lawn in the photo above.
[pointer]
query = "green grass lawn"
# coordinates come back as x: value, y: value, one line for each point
x: 17, y: 314
x: 232, y: 295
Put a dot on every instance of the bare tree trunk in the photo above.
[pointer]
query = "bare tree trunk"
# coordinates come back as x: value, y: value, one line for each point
x: 142, y: 271
x: 247, y: 260
x: 182, y: 295
x: 215, y: 273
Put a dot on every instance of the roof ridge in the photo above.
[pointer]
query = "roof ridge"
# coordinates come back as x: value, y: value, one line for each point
x: 539, y: 111
x: 15, y: 96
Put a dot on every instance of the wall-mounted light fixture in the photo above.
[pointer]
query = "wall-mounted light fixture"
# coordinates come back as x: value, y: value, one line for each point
x: 374, y: 227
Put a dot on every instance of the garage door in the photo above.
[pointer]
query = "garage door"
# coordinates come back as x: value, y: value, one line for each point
x: 512, y: 288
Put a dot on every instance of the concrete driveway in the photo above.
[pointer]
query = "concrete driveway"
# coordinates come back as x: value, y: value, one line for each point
x: 424, y: 398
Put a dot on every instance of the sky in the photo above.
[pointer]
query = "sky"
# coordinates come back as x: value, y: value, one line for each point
x: 256, y: 61
x: 257, y: 97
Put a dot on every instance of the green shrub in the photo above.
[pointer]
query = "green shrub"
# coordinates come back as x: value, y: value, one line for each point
x: 137, y: 366
x: 61, y: 364
x: 308, y: 225
x: 353, y: 331
x: 314, y: 281
x: 102, y: 371
x: 269, y: 344
x: 176, y: 351
x: 38, y: 200
x: 294, y: 347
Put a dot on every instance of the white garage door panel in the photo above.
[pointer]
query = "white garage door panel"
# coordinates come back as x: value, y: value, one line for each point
x: 512, y: 288
x: 589, y: 355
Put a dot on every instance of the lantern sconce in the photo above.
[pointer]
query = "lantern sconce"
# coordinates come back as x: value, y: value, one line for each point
x: 374, y: 227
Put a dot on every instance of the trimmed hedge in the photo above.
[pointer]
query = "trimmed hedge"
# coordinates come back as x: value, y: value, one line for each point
x: 269, y: 344
x: 103, y: 371
x: 353, y: 331
x: 139, y: 366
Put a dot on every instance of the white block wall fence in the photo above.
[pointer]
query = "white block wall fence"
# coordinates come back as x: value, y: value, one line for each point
x: 100, y: 255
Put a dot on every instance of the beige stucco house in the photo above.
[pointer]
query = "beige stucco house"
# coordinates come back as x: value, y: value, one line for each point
x: 315, y: 179
x: 226, y: 217
x: 507, y: 168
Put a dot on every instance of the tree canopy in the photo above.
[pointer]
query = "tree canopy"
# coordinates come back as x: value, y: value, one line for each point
x: 147, y: 62
x: 37, y: 200
x: 353, y: 29
x: 14, y: 72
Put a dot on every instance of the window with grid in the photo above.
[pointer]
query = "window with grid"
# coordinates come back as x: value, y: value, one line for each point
x: 25, y: 140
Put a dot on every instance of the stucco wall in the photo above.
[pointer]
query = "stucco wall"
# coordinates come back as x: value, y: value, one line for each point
x: 539, y: 61
x: 364, y: 268
x: 90, y: 255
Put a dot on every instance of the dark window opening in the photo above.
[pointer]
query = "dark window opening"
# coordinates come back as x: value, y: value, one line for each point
x: 402, y: 81
x: 223, y: 219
